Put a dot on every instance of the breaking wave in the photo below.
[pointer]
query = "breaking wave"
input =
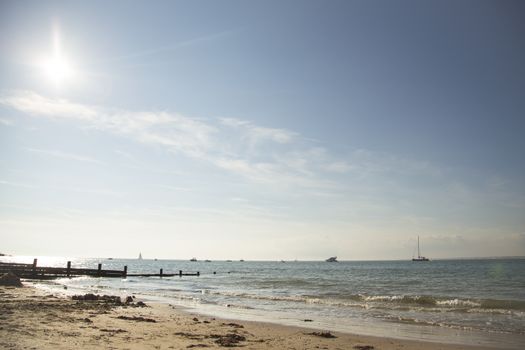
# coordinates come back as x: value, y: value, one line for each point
x: 431, y: 303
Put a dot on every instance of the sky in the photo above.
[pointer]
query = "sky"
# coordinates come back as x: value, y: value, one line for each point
x: 262, y: 130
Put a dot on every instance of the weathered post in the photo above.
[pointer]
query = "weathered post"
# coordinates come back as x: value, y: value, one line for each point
x: 68, y: 272
x: 180, y: 273
x: 160, y: 273
x: 99, y: 272
x: 198, y: 273
x: 34, y: 265
x: 125, y: 272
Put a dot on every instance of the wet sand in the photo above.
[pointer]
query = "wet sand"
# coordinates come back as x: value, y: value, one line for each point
x: 30, y: 319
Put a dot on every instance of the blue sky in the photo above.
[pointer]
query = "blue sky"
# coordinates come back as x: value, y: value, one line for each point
x: 262, y: 129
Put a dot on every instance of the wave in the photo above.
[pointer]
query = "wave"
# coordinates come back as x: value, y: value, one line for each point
x: 285, y: 283
x: 425, y: 302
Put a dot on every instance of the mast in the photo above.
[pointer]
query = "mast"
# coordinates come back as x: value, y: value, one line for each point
x: 418, y: 253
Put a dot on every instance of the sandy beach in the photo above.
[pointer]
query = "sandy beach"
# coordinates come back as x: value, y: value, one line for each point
x: 30, y: 319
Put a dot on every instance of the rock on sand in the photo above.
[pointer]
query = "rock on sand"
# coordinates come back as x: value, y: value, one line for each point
x: 10, y: 279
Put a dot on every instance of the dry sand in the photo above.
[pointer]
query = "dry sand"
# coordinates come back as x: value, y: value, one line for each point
x: 29, y: 319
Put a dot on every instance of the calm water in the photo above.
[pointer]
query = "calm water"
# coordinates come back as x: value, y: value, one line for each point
x: 463, y: 301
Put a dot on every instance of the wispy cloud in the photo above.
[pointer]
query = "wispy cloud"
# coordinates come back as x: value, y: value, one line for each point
x: 169, y: 47
x: 37, y: 105
x: 6, y: 122
x: 177, y: 132
x: 16, y: 184
x: 94, y: 191
x: 174, y: 132
x: 64, y: 155
x: 175, y: 188
x: 274, y: 156
x: 124, y: 154
x: 255, y: 133
x: 274, y: 173
x: 339, y: 167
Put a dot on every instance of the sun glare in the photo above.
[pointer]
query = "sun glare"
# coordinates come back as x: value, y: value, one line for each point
x: 56, y: 67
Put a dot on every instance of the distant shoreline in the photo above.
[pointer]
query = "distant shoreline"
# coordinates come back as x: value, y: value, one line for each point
x: 271, y: 260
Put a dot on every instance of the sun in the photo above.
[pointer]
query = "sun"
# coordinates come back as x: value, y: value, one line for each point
x: 57, y: 69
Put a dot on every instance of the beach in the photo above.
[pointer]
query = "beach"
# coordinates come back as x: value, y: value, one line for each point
x: 33, y: 319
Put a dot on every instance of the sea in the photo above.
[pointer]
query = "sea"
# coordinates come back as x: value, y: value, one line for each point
x: 465, y: 301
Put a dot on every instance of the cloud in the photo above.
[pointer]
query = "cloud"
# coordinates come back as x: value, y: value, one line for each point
x: 274, y: 173
x: 64, y: 155
x: 257, y: 134
x: 16, y: 184
x: 177, y: 132
x: 124, y: 154
x: 170, y: 47
x: 259, y: 154
x: 276, y: 135
x: 369, y: 162
x: 6, y: 122
x: 175, y: 188
x: 339, y: 167
x: 95, y: 191
x: 37, y: 105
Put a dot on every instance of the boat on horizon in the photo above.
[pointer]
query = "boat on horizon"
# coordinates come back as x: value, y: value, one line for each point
x: 193, y: 259
x: 332, y: 259
x: 140, y: 256
x: 419, y: 257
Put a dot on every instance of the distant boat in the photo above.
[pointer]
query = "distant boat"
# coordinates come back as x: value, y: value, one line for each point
x: 228, y: 261
x: 110, y: 258
x: 242, y: 260
x: 207, y: 260
x: 193, y: 259
x: 140, y: 256
x: 332, y: 259
x: 419, y: 257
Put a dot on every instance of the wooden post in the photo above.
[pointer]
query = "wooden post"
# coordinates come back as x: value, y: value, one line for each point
x: 125, y: 273
x: 99, y: 272
x: 198, y: 273
x: 180, y: 273
x: 34, y: 265
x: 68, y: 268
x: 160, y: 273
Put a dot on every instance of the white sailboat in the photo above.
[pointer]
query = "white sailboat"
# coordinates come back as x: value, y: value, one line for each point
x: 140, y: 256
x: 419, y: 257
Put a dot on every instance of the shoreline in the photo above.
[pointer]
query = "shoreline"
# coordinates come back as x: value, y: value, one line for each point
x: 30, y: 318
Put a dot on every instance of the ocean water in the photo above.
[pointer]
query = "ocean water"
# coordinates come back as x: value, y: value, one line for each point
x: 459, y: 301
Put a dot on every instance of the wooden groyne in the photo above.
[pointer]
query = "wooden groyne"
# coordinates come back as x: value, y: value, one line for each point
x: 33, y: 271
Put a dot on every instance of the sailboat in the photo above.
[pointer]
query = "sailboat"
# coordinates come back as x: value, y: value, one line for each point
x: 419, y: 257
x: 140, y: 256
